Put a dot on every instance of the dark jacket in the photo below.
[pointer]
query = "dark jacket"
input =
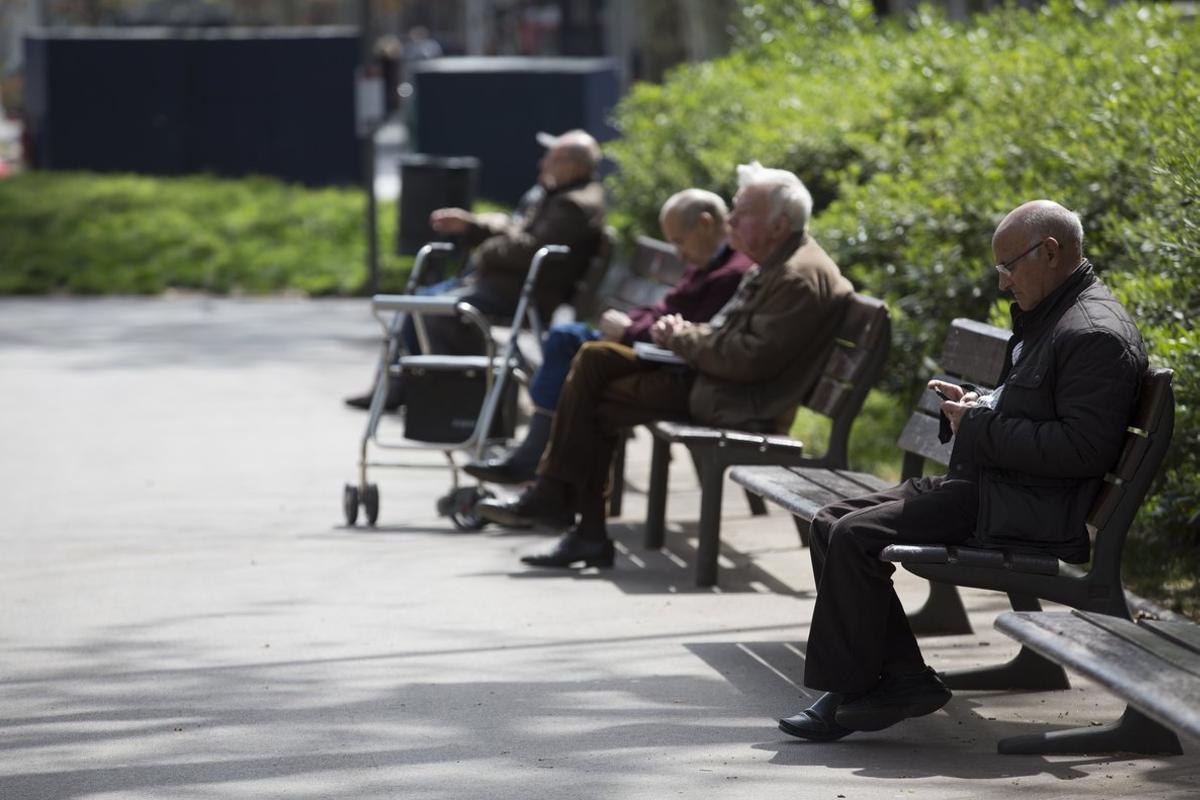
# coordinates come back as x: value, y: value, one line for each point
x: 572, y: 215
x: 762, y: 353
x: 1060, y: 422
x: 700, y: 293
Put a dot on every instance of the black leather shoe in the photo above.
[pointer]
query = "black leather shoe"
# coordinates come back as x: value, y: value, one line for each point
x: 572, y: 549
x: 816, y: 723
x: 501, y: 470
x: 808, y: 724
x: 538, y: 505
x: 364, y: 402
x: 894, y: 699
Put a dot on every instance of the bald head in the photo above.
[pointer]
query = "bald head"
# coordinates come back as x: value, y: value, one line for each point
x: 694, y: 220
x: 1037, y: 246
x: 1040, y: 219
x: 690, y: 204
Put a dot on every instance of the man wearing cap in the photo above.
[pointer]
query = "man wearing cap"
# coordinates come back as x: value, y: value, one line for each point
x: 566, y: 208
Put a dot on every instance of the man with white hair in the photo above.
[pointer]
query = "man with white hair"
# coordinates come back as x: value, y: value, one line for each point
x: 748, y: 368
x: 696, y: 222
x: 565, y: 207
x: 1027, y: 463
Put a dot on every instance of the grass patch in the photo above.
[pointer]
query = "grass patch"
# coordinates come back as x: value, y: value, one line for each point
x: 129, y: 234
x: 872, y: 439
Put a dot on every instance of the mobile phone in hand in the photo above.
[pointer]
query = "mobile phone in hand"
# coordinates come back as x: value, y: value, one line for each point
x: 937, y: 390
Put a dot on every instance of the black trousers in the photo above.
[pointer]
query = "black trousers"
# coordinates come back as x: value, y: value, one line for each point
x: 859, y: 630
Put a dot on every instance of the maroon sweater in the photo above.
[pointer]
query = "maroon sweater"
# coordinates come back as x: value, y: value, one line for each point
x: 700, y: 293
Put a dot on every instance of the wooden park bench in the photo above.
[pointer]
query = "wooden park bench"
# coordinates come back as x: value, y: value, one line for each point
x: 972, y: 353
x: 1029, y: 578
x: 653, y: 269
x: 1154, y: 665
x: 853, y: 366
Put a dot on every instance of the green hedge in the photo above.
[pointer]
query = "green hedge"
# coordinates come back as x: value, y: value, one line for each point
x: 96, y: 234
x: 916, y: 136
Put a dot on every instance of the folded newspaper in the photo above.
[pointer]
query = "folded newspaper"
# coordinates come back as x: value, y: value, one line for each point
x: 651, y: 352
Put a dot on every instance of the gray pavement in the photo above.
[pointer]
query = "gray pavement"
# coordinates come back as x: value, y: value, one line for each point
x: 185, y: 616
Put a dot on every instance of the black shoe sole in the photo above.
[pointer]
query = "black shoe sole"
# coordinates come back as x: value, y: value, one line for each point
x: 508, y: 519
x: 502, y: 477
x: 876, y: 718
x: 602, y: 562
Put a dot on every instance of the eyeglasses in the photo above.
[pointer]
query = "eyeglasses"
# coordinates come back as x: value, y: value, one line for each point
x: 1006, y: 269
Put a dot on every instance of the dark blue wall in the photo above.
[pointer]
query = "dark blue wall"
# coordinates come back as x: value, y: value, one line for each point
x: 228, y: 102
x: 491, y: 108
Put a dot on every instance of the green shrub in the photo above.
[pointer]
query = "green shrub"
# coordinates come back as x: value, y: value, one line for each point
x: 917, y: 135
x: 95, y: 234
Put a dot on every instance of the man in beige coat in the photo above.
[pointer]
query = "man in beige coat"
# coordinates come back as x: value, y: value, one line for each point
x: 748, y: 368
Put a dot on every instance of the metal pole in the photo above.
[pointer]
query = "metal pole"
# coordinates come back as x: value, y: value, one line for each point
x: 368, y: 152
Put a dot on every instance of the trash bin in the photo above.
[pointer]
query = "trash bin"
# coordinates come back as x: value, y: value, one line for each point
x: 428, y: 183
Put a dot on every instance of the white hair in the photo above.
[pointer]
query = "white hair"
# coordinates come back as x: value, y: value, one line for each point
x: 690, y: 204
x: 787, y: 194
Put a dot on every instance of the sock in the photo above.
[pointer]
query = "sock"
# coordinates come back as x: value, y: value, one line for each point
x: 825, y: 705
x: 529, y: 452
x: 590, y: 503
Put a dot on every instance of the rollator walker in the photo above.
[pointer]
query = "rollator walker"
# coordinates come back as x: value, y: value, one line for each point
x: 472, y: 395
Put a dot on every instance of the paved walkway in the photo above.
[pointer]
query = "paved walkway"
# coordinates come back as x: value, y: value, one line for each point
x: 184, y: 615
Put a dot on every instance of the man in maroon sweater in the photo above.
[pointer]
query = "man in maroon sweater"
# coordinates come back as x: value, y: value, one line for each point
x: 695, y: 222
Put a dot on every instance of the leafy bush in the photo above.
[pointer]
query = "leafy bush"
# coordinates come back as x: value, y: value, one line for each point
x: 916, y: 136
x: 93, y: 234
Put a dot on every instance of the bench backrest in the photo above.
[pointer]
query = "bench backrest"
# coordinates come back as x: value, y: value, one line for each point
x: 653, y: 269
x: 854, y: 365
x: 972, y: 353
x: 1146, y: 440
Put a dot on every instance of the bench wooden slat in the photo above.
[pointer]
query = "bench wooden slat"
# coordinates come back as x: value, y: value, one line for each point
x: 920, y: 436
x: 685, y: 433
x: 1141, y: 677
x: 975, y: 351
x: 1185, y: 634
x: 844, y: 482
x: 828, y: 395
x: 845, y: 361
x: 1182, y: 657
x: 790, y: 491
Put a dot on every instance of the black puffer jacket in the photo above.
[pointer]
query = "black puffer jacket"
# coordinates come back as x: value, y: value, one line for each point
x: 1040, y: 455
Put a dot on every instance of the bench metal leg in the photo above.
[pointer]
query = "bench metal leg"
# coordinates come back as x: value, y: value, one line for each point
x: 1026, y: 670
x: 708, y: 546
x: 656, y: 499
x: 1134, y: 732
x: 758, y: 507
x: 802, y: 528
x: 617, y: 485
x: 942, y: 614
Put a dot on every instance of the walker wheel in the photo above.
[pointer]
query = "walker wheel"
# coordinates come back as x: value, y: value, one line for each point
x: 350, y: 504
x: 460, y: 507
x: 371, y: 503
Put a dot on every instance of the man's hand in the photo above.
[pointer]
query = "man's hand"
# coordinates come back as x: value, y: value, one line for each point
x: 613, y: 324
x: 957, y: 401
x: 451, y: 221
x: 666, y: 328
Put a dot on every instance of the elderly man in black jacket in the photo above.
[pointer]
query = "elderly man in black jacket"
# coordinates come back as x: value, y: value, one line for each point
x: 1027, y: 464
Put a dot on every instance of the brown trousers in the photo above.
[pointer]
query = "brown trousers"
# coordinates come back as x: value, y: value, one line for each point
x: 607, y: 390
